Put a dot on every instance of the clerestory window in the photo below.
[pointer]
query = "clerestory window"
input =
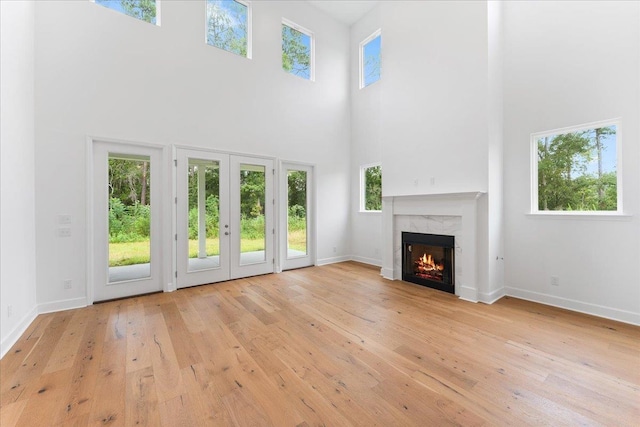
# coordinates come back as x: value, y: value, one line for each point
x: 228, y: 26
x: 370, y: 59
x: 144, y: 10
x: 297, y: 50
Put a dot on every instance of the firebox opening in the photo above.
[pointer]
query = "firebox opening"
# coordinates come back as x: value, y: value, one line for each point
x: 428, y: 260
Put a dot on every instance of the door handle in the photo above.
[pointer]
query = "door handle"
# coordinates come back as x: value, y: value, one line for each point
x: 226, y: 233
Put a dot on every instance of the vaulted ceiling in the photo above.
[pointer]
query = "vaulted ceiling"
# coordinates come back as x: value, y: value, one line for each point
x: 346, y: 11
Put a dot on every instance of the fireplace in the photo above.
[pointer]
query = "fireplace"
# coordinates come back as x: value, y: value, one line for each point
x: 428, y: 260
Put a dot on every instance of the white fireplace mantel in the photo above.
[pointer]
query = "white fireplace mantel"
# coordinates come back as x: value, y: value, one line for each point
x: 458, y: 210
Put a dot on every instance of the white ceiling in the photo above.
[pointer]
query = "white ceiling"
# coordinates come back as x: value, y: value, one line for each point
x: 346, y: 11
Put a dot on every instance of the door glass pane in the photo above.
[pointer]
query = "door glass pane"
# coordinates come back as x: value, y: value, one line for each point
x: 204, y: 214
x: 252, y: 221
x: 297, y: 213
x: 129, y: 184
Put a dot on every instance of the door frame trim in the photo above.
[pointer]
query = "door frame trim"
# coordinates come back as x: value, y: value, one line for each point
x: 174, y: 207
x: 281, y: 255
x: 89, y: 213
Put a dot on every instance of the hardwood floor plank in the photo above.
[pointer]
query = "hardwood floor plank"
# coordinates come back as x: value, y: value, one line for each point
x: 22, y: 383
x: 192, y: 320
x: 48, y: 399
x: 108, y: 399
x: 166, y: 370
x: 256, y: 310
x: 141, y: 401
x: 10, y: 413
x: 601, y: 407
x: 25, y: 344
x: 186, y: 355
x: 138, y: 348
x: 332, y: 345
x: 327, y: 388
x: 206, y: 402
x: 86, y: 368
x: 315, y: 408
x: 176, y: 412
x: 64, y: 353
x: 242, y: 411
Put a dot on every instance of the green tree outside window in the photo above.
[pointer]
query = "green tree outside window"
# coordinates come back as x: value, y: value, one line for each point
x: 228, y: 26
x: 373, y: 188
x: 144, y: 10
x: 296, y: 52
x: 577, y: 170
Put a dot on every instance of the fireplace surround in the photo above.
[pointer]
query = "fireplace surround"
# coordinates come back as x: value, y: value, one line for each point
x: 454, y: 214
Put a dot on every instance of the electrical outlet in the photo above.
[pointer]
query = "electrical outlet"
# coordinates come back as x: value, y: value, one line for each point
x: 67, y: 284
x: 335, y: 249
x: 9, y: 310
x: 64, y: 232
x: 432, y: 180
x: 555, y: 281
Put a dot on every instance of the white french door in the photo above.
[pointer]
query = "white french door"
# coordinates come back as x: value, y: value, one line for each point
x: 252, y: 210
x: 224, y: 217
x: 202, y: 217
x: 296, y: 217
x: 127, y: 220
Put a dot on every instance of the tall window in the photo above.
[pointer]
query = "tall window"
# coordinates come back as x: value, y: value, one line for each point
x: 577, y: 169
x: 370, y: 59
x: 371, y: 188
x: 297, y: 50
x: 144, y: 10
x: 229, y: 26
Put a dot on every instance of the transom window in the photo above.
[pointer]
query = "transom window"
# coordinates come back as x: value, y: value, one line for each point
x: 229, y: 26
x: 144, y: 10
x: 370, y: 59
x: 577, y: 169
x: 371, y: 188
x: 297, y: 50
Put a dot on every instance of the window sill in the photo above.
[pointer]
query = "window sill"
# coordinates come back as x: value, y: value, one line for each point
x: 370, y: 212
x: 606, y: 216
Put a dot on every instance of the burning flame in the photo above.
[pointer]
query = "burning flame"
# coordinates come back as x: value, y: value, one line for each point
x: 426, y: 263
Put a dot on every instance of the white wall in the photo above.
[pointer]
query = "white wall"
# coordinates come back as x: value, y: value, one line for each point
x: 434, y: 97
x: 366, y: 227
x: 101, y: 73
x: 569, y: 63
x: 17, y: 201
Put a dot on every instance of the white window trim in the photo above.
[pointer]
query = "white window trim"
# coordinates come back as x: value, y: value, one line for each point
x: 312, y: 37
x: 534, y: 170
x: 158, y: 12
x: 363, y: 43
x: 249, y: 28
x: 363, y: 168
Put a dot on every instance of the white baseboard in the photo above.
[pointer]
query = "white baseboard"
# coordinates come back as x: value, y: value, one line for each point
x: 17, y: 332
x: 334, y: 260
x: 467, y: 294
x: 370, y: 261
x: 387, y: 273
x: 67, y: 304
x: 491, y: 297
x: 579, y: 306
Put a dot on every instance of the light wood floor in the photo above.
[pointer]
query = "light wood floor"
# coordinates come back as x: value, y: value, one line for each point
x: 334, y: 345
